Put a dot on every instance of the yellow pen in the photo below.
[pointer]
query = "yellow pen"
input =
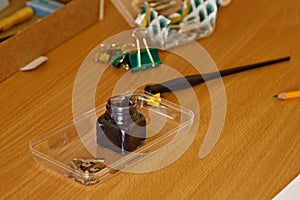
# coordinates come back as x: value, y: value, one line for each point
x: 288, y: 95
x: 16, y: 18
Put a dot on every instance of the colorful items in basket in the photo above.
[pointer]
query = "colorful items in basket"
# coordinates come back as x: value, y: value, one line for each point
x: 164, y: 7
x: 196, y: 19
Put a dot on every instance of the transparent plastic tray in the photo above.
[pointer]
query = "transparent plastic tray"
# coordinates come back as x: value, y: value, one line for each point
x: 166, y: 122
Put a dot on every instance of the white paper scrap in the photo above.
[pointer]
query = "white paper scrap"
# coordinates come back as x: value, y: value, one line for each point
x: 34, y: 64
x: 291, y: 191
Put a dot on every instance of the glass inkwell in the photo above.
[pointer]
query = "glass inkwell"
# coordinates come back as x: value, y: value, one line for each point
x: 121, y: 128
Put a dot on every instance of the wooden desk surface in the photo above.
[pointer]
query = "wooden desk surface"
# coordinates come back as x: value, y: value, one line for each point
x: 256, y: 156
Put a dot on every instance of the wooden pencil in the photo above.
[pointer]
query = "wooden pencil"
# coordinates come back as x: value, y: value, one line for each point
x: 288, y: 95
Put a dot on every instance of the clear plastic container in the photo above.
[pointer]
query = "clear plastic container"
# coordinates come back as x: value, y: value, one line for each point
x: 64, y: 147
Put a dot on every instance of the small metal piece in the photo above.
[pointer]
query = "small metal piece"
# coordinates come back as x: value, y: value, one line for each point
x: 73, y: 165
x: 107, y: 52
x: 116, y: 55
x: 95, y: 160
x: 86, y: 180
x: 90, y: 165
x: 127, y: 48
x: 157, y: 4
x: 141, y: 100
x: 102, y: 56
x: 161, y: 5
x: 225, y: 2
x: 94, y: 169
x: 138, y: 48
x: 143, y: 36
x: 88, y: 169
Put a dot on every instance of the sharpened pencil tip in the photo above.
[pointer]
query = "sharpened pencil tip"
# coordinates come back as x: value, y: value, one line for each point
x: 275, y: 96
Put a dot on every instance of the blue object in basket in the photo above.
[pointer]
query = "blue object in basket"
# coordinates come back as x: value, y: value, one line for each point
x: 43, y: 8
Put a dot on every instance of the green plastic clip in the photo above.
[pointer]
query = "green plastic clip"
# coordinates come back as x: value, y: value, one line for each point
x: 119, y: 60
x: 138, y: 60
x: 144, y: 59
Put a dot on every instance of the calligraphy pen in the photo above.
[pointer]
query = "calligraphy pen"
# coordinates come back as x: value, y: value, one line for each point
x: 181, y: 83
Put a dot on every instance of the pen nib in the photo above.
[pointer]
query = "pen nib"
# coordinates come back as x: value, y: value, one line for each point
x: 275, y: 96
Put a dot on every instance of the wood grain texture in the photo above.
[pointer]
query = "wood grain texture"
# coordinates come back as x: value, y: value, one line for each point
x: 256, y: 156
